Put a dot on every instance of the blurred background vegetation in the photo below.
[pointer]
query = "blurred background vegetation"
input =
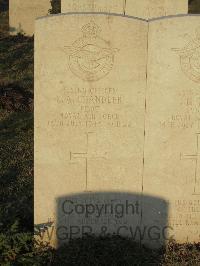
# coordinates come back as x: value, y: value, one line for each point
x: 16, y: 173
x: 194, y: 6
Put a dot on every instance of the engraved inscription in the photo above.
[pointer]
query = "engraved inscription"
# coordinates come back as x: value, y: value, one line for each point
x: 156, y: 9
x: 91, y: 58
x: 93, y: 6
x: 185, y: 214
x: 188, y: 114
x: 84, y: 107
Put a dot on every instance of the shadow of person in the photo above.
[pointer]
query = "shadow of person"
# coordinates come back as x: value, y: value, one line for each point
x: 142, y: 218
x: 120, y: 225
x: 106, y: 251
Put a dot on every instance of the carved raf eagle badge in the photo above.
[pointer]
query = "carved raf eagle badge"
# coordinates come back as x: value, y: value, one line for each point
x: 190, y: 58
x: 90, y: 57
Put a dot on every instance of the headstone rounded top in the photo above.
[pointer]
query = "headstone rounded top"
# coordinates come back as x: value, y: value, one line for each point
x: 146, y: 9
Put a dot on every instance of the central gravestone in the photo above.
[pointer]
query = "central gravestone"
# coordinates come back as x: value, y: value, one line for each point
x: 89, y: 125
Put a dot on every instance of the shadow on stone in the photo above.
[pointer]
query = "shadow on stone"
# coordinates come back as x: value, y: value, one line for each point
x: 107, y: 228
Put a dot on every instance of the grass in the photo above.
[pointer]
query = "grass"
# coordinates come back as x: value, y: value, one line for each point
x: 16, y: 61
x: 94, y: 251
x: 16, y: 179
x: 4, y: 23
x: 117, y: 251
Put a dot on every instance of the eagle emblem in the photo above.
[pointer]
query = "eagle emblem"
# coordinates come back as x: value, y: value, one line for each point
x: 190, y: 58
x: 90, y: 57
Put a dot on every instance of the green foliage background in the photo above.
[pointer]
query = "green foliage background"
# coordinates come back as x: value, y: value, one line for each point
x: 16, y: 175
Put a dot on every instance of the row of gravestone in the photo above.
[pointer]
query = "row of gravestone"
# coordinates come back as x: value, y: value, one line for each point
x: 22, y: 14
x: 117, y: 127
x: 117, y: 106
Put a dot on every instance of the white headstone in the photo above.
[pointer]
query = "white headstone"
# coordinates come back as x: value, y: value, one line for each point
x: 172, y: 160
x: 155, y: 8
x: 138, y: 8
x: 90, y: 82
x: 22, y: 14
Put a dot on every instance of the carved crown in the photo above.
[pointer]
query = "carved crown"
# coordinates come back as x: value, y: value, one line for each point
x: 91, y: 29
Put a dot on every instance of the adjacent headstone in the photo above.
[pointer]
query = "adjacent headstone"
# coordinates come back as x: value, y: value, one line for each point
x: 155, y: 8
x: 172, y: 161
x: 138, y: 8
x: 117, y: 127
x: 111, y: 6
x: 22, y: 14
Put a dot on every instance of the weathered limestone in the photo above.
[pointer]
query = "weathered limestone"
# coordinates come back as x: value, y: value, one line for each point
x: 172, y: 122
x: 90, y: 82
x: 117, y: 127
x: 111, y: 6
x: 138, y: 8
x: 155, y: 8
x: 22, y: 14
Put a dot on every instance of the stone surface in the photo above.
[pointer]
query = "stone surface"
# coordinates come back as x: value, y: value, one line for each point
x: 90, y: 83
x: 155, y: 8
x: 111, y: 6
x: 138, y: 8
x: 22, y: 14
x: 172, y: 160
x: 117, y: 127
